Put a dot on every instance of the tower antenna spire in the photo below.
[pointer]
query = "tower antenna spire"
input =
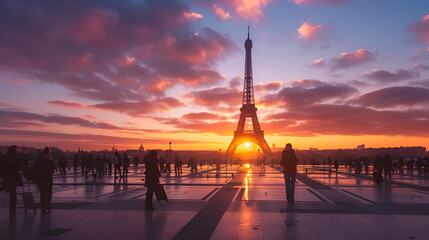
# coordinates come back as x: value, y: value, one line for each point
x: 248, y: 32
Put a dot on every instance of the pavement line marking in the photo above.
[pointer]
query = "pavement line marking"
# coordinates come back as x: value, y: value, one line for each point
x: 138, y: 196
x: 209, y: 194
x: 240, y: 194
x: 204, y: 223
x: 357, y: 196
x: 317, y: 195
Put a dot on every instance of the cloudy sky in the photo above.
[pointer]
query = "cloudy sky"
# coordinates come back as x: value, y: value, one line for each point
x: 327, y: 73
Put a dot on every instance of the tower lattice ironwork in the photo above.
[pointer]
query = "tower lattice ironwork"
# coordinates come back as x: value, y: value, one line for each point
x: 248, y: 110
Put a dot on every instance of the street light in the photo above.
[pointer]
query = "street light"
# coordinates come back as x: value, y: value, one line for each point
x: 170, y: 151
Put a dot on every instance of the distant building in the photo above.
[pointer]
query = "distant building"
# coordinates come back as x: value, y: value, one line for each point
x: 360, y: 147
x: 274, y: 145
x: 141, y: 148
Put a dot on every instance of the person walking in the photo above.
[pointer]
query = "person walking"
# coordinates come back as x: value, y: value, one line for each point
x: 117, y: 164
x: 336, y: 165
x: 75, y: 162
x: 152, y: 177
x: 289, y: 162
x: 44, y: 180
x: 176, y: 166
x: 90, y: 162
x: 11, y: 177
x: 125, y: 164
x: 388, y: 166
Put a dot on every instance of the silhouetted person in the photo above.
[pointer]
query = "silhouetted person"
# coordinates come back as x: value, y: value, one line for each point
x: 2, y: 171
x: 136, y: 162
x: 410, y: 164
x: 62, y: 164
x: 176, y: 166
x: 125, y: 164
x: 366, y: 163
x: 388, y: 166
x: 336, y: 165
x: 82, y: 164
x: 99, y: 165
x: 152, y: 177
x: 419, y: 165
x: 378, y: 169
x: 401, y: 163
x: 45, y: 169
x: 168, y: 164
x: 194, y: 165
x: 90, y: 162
x: 425, y: 161
x: 161, y: 164
x: 11, y: 177
x: 75, y: 162
x: 117, y: 164
x: 109, y: 165
x: 217, y: 163
x: 289, y: 162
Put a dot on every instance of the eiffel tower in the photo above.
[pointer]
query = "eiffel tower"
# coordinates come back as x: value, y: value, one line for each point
x: 248, y: 109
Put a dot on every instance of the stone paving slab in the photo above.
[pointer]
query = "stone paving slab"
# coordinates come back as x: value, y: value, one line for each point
x: 252, y: 206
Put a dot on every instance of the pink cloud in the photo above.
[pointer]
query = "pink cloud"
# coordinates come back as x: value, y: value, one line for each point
x: 24, y: 116
x: 236, y: 9
x: 321, y: 2
x: 386, y: 76
x: 9, y: 106
x: 91, y: 117
x: 215, y: 97
x: 202, y: 116
x: 340, y: 119
x: 192, y: 15
x: 271, y: 86
x: 203, y: 122
x: 405, y: 96
x: 318, y: 63
x: 236, y: 82
x: 310, y: 92
x: 126, y: 52
x: 140, y: 108
x: 65, y: 103
x: 309, y: 32
x: 420, y: 29
x: 220, y: 12
x: 347, y: 60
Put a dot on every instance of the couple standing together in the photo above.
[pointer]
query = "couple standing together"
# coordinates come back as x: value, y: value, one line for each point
x: 289, y: 162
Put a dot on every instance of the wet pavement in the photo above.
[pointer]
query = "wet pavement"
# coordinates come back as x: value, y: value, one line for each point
x: 239, y: 203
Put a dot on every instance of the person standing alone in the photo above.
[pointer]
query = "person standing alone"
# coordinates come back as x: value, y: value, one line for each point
x: 45, y: 168
x: 11, y: 177
x: 152, y: 177
x: 289, y: 162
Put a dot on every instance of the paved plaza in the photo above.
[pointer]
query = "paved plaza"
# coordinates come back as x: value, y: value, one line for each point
x: 240, y: 203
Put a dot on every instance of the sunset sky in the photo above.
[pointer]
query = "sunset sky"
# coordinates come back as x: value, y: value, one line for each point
x: 327, y: 73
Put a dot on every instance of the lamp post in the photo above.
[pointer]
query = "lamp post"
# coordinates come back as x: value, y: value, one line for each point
x: 170, y: 152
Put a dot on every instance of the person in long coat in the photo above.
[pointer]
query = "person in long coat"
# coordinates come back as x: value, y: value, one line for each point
x: 45, y: 169
x: 289, y: 162
x: 11, y: 177
x: 152, y: 177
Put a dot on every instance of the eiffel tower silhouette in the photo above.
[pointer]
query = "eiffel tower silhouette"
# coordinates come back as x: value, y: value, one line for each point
x: 248, y: 109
